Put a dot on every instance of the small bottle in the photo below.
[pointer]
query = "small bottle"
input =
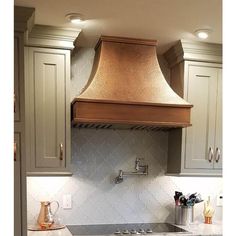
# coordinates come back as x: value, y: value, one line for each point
x: 208, y: 211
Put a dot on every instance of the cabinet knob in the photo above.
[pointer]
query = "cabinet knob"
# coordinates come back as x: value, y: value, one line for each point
x: 15, y: 147
x: 61, y: 151
x: 210, y: 154
x: 218, y: 154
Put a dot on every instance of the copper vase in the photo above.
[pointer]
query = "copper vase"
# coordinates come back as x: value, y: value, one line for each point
x: 46, y: 217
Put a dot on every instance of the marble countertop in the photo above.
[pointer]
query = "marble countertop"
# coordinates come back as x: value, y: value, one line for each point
x: 199, y: 228
x: 59, y: 232
x: 195, y: 229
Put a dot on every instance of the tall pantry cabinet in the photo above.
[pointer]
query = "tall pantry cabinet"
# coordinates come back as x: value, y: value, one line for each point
x: 23, y: 22
x: 196, y: 75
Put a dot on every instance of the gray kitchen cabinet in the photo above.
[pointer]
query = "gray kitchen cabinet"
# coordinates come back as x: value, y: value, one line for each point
x: 23, y: 18
x: 47, y: 107
x: 19, y: 125
x: 196, y: 75
x: 47, y: 90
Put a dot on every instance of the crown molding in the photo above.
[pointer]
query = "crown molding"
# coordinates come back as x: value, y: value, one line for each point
x: 23, y: 18
x: 53, y: 37
x: 186, y: 50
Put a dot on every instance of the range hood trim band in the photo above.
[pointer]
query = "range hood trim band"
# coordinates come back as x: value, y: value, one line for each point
x: 93, y: 112
x: 146, y: 42
x: 130, y: 103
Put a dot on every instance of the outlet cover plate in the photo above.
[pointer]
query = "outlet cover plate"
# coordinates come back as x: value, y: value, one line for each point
x: 219, y: 200
x: 67, y: 201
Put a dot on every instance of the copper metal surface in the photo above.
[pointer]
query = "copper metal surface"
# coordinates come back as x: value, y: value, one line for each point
x: 127, y: 86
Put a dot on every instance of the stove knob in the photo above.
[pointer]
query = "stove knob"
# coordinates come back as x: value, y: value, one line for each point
x: 141, y: 231
x: 117, y: 232
x: 125, y: 231
x: 133, y: 231
x: 149, y: 231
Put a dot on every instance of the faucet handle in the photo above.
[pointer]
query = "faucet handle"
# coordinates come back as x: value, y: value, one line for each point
x: 137, y: 163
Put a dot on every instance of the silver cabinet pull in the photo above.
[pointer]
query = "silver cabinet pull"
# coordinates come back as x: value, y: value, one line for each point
x: 210, y: 154
x: 61, y: 151
x: 15, y: 147
x: 217, y: 156
x: 204, y: 76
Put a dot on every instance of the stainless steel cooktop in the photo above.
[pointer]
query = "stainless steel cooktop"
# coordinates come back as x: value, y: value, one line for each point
x: 124, y: 229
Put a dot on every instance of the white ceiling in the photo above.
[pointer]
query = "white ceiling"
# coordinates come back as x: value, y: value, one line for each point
x: 164, y: 20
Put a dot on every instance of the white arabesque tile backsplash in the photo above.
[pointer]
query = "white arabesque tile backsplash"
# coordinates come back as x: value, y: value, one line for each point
x: 97, y: 156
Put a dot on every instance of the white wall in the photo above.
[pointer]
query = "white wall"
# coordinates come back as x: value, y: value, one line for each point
x: 97, y: 156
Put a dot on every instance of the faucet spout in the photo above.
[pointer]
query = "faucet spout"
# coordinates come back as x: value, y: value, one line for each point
x: 139, y: 170
x: 119, y: 179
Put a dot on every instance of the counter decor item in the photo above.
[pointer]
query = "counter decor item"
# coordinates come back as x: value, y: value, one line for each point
x: 208, y: 211
x: 39, y: 228
x: 46, y: 219
x: 184, y: 207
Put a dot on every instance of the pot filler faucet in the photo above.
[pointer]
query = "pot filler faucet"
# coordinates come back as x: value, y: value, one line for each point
x: 139, y: 170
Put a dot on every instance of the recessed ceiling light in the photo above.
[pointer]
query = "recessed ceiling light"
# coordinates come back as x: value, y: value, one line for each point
x: 74, y: 18
x: 202, y: 33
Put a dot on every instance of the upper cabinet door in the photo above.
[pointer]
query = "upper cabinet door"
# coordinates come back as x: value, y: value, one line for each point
x: 200, y: 138
x: 49, y: 79
x: 18, y: 75
x: 218, y: 152
x: 49, y: 108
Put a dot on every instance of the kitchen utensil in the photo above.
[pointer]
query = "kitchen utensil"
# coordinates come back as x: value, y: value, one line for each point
x: 190, y: 202
x: 183, y: 200
x: 46, y: 217
x: 176, y: 197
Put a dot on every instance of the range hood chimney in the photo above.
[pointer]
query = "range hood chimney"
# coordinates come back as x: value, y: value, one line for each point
x: 127, y: 90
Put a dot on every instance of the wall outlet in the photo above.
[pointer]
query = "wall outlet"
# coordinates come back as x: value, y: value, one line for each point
x: 219, y: 200
x: 67, y: 201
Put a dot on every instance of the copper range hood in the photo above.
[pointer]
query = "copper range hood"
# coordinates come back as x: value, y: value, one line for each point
x: 128, y: 90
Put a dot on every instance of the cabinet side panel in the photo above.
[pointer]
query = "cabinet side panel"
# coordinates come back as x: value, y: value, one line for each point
x: 19, y: 137
x: 174, y: 151
x: 177, y: 79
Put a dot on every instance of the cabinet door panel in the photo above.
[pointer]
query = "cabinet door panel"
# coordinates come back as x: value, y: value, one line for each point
x: 16, y: 80
x: 18, y: 75
x: 218, y: 134
x: 17, y: 184
x: 202, y: 86
x: 49, y: 79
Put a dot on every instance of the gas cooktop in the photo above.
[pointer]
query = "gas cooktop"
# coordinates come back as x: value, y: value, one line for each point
x: 124, y: 229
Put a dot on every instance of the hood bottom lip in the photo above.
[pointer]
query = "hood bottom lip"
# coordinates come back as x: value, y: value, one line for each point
x: 130, y: 115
